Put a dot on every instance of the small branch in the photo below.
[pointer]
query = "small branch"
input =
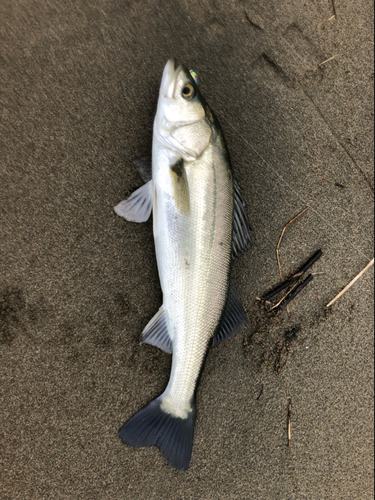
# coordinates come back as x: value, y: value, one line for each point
x: 285, y: 296
x: 295, y: 277
x: 290, y: 423
x: 327, y: 60
x: 279, y: 288
x: 309, y: 263
x: 261, y: 393
x: 324, y: 62
x: 351, y: 283
x: 338, y: 184
x: 264, y: 301
x: 304, y: 283
x: 334, y: 8
x: 281, y: 237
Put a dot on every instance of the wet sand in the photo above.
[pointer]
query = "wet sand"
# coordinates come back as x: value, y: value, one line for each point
x: 78, y: 284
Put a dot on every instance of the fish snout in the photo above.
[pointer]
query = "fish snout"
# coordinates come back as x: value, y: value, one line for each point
x: 168, y: 83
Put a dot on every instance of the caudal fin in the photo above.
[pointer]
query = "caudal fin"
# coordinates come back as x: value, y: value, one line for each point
x: 152, y: 426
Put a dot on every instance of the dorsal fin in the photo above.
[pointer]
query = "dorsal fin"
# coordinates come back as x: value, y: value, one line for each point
x: 241, y: 224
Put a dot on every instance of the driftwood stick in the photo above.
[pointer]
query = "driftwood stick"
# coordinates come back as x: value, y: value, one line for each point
x: 290, y: 423
x: 309, y: 263
x: 292, y: 288
x: 279, y: 288
x: 371, y: 263
x: 324, y: 62
x: 295, y: 277
x: 334, y: 8
x: 285, y: 302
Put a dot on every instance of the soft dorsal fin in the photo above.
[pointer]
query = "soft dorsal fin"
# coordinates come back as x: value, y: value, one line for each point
x: 156, y: 332
x: 137, y: 208
x: 143, y: 164
x: 241, y: 224
x: 233, y: 320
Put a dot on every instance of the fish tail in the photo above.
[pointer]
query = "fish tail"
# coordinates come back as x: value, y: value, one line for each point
x: 153, y: 426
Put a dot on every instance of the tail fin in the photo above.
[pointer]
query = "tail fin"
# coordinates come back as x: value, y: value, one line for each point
x: 152, y: 426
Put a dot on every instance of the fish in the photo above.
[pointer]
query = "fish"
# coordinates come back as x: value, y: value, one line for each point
x: 200, y: 226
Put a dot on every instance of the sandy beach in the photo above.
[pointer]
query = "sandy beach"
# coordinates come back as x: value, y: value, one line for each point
x: 292, y: 86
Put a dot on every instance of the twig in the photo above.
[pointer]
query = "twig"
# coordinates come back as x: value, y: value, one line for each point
x: 290, y: 422
x: 324, y: 62
x: 332, y: 17
x: 310, y: 262
x: 334, y: 8
x: 285, y: 296
x: 338, y: 184
x: 304, y: 283
x: 279, y: 288
x: 327, y: 60
x: 264, y: 301
x: 281, y: 237
x: 295, y: 277
x: 351, y: 283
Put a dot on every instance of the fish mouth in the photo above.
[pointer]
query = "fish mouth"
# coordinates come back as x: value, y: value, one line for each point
x: 169, y: 79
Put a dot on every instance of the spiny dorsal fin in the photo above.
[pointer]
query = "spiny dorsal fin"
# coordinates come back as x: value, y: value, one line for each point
x: 156, y: 332
x: 233, y: 320
x: 241, y: 224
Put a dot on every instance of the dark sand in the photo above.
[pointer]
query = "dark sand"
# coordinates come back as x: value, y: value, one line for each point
x: 78, y: 284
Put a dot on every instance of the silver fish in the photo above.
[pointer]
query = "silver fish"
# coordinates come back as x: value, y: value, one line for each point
x: 199, y: 226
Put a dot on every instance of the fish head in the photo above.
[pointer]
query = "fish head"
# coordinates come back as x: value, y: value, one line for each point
x: 182, y: 120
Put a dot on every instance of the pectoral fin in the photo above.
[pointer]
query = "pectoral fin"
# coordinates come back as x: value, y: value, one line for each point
x: 233, y: 320
x: 137, y: 208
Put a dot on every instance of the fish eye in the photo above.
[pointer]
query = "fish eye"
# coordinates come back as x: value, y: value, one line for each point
x: 188, y: 91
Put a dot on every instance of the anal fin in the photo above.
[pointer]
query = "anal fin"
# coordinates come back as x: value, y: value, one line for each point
x: 233, y: 320
x: 156, y: 332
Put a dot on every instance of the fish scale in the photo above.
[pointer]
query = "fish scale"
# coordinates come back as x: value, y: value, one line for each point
x: 204, y: 278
